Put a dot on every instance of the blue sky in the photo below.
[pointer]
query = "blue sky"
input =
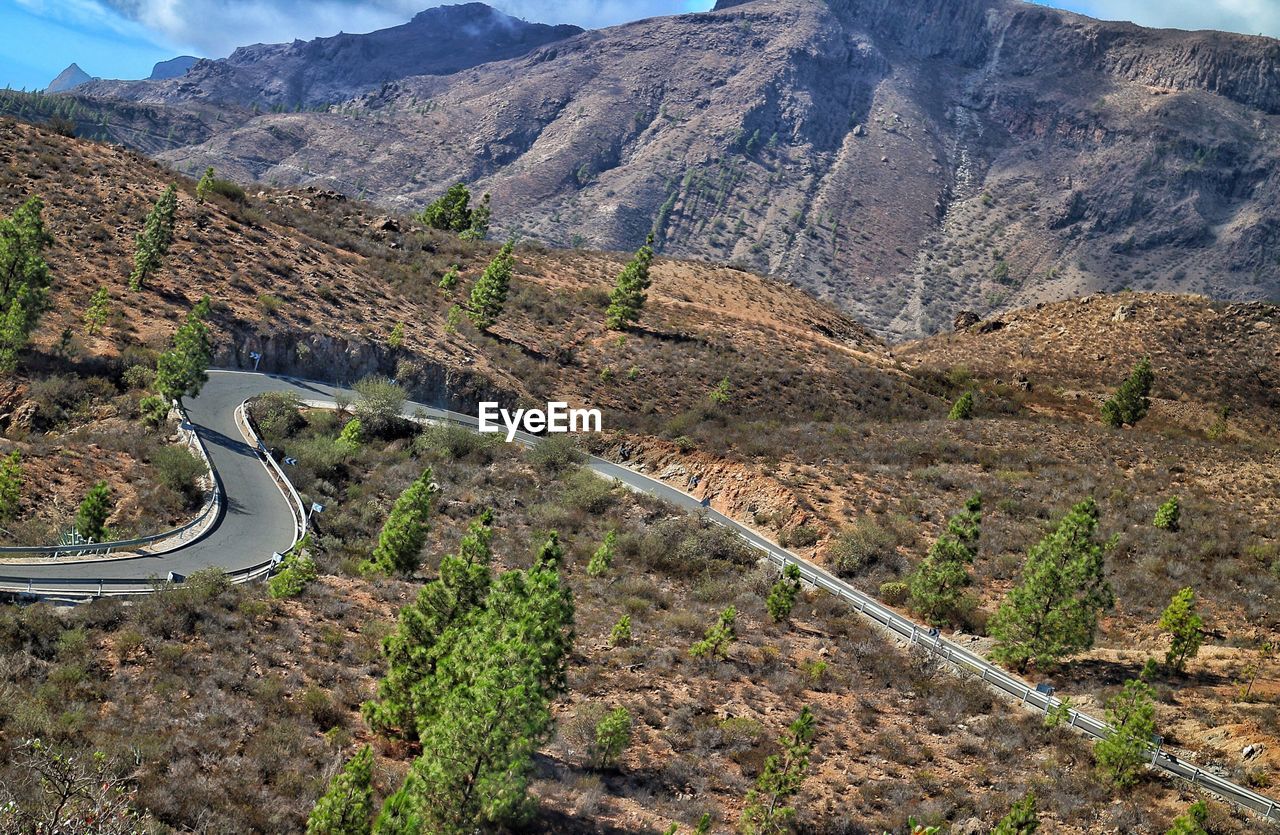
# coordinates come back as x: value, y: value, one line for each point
x: 124, y: 38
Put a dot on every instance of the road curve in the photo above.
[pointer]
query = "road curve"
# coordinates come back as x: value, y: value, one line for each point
x: 257, y: 519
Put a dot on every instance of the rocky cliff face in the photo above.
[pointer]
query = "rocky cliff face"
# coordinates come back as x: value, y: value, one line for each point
x: 903, y: 158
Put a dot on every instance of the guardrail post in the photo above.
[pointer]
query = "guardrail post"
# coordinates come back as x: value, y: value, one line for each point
x: 1025, y: 694
x: 99, y: 588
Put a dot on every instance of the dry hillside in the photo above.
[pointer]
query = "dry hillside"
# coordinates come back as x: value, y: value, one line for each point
x: 827, y: 436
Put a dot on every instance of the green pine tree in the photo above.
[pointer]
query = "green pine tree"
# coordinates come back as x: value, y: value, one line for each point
x: 485, y: 709
x: 450, y: 212
x: 91, y: 517
x: 24, y: 278
x: 478, y: 230
x: 715, y: 642
x: 938, y: 583
x: 1021, y: 820
x: 602, y: 559
x: 1193, y: 822
x: 1131, y: 714
x: 766, y: 812
x: 96, y: 315
x: 1184, y: 624
x: 489, y: 295
x: 152, y: 244
x: 610, y: 737
x: 346, y: 808
x: 351, y: 437
x: 405, y: 531
x: 962, y: 409
x: 450, y: 279
x: 783, y: 594
x: 413, y: 649
x: 620, y: 635
x: 181, y: 371
x: 1054, y: 610
x: 10, y: 485
x: 205, y: 187
x: 1168, y: 515
x: 1132, y: 400
x: 629, y: 291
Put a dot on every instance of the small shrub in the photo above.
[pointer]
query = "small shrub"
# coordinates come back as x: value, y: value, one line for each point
x: 1168, y: 515
x: 179, y: 470
x: 860, y: 547
x: 894, y: 592
x: 555, y: 455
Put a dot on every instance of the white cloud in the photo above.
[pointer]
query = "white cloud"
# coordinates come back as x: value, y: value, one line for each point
x: 1251, y: 17
x: 216, y: 27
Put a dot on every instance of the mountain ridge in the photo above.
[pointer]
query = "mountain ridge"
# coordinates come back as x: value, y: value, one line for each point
x: 904, y: 160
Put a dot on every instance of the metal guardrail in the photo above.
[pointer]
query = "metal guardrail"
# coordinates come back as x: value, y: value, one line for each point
x: 79, y: 589
x: 210, y: 511
x: 963, y: 659
x: 947, y: 651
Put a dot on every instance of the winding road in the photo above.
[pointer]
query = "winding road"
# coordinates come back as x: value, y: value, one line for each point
x: 260, y: 515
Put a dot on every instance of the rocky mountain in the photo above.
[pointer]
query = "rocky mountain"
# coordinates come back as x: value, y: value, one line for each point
x: 316, y: 73
x: 173, y: 68
x: 68, y: 79
x: 906, y: 159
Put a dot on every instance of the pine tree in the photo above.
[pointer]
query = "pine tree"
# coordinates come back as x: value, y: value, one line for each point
x: 205, y: 187
x: 479, y: 226
x: 610, y: 737
x: 937, y: 584
x: 1131, y: 714
x: 489, y: 295
x: 450, y: 279
x: 783, y: 594
x: 715, y: 642
x: 24, y: 278
x: 152, y: 244
x: 95, y: 316
x: 620, y: 635
x: 485, y: 709
x: 629, y: 291
x: 1021, y: 820
x: 1168, y: 515
x: 1132, y: 400
x: 450, y: 212
x: 413, y: 650
x: 346, y: 808
x: 766, y: 811
x: 10, y: 485
x: 91, y: 517
x: 1184, y: 624
x: 181, y: 370
x: 1054, y: 610
x: 1192, y: 822
x: 405, y: 531
x: 603, y: 557
x: 351, y: 437
x: 962, y: 409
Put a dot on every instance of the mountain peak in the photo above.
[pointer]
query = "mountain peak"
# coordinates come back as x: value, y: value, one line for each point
x: 68, y: 79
